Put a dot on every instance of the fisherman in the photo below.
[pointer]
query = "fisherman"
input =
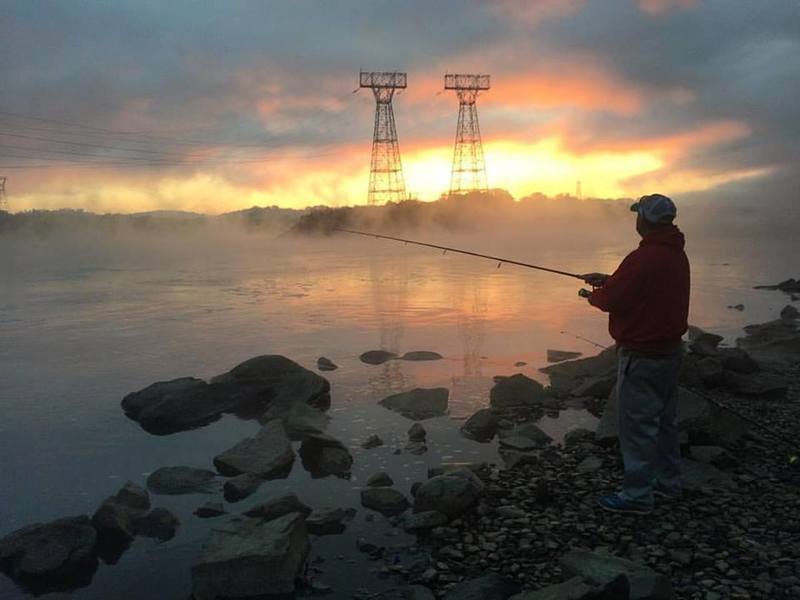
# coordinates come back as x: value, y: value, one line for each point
x: 647, y: 299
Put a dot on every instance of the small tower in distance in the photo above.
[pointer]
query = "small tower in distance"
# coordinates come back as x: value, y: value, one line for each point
x: 386, y: 181
x: 3, y: 199
x: 469, y: 168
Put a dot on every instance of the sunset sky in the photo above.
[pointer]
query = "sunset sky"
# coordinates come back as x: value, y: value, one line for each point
x: 137, y: 105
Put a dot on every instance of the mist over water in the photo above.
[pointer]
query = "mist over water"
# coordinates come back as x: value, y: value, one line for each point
x: 87, y: 317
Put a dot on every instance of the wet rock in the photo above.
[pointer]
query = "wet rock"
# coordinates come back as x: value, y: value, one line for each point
x: 590, y: 464
x: 240, y: 487
x: 249, y: 558
x: 324, y: 455
x: 789, y: 313
x: 376, y: 357
x: 774, y: 341
x: 705, y: 344
x: 416, y: 448
x: 481, y: 426
x: 713, y: 455
x: 409, y: 592
x: 710, y: 371
x: 519, y: 442
x: 566, y: 376
x: 115, y: 518
x: 278, y: 507
x: 555, y: 356
x: 51, y: 556
x: 381, y: 479
x: 417, y: 433
x: 423, y: 521
x: 385, y: 500
x: 326, y: 364
x: 450, y: 494
x: 421, y: 355
x: 517, y: 391
x: 372, y: 441
x: 180, y: 480
x: 302, y: 420
x: 520, y: 363
x: 601, y: 569
x: 572, y: 589
x: 247, y: 389
x: 268, y: 454
x: 210, y: 510
x: 536, y: 438
x: 329, y: 521
x: 790, y: 286
x: 487, y: 587
x: 159, y: 523
x: 595, y: 387
x: 480, y: 469
x: 418, y: 404
x: 739, y: 307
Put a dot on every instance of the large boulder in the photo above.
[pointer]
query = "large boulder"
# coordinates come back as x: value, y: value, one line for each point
x: 481, y: 427
x: 774, y: 341
x: 324, y: 455
x: 159, y: 523
x: 241, y: 487
x: 566, y: 376
x: 602, y: 569
x: 577, y: 589
x: 421, y: 355
x: 115, y: 519
x: 247, y: 389
x: 486, y: 587
x: 385, y: 500
x: 517, y: 391
x: 329, y: 521
x: 180, y: 480
x: 376, y: 357
x: 251, y: 558
x: 419, y: 404
x: 450, y: 494
x: 50, y: 556
x: 277, y: 507
x: 302, y: 420
x: 555, y: 356
x: 759, y: 385
x: 268, y: 454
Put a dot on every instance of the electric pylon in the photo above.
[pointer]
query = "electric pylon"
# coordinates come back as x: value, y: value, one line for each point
x: 3, y: 200
x: 469, y: 168
x: 386, y: 182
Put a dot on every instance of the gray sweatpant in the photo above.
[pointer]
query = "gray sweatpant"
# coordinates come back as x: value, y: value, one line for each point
x: 647, y: 390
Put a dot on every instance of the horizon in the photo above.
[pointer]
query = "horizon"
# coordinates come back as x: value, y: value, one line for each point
x: 136, y: 108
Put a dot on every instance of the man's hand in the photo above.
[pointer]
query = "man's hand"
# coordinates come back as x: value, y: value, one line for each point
x: 595, y: 279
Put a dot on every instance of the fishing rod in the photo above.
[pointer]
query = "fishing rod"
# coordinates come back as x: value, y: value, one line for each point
x: 793, y: 459
x: 447, y: 249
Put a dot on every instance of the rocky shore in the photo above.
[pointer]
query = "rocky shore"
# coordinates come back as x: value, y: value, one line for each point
x: 525, y: 529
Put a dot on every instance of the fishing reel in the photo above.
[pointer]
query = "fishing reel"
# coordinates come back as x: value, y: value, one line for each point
x: 584, y: 293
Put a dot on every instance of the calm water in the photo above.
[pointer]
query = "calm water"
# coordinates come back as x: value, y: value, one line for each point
x: 83, y: 321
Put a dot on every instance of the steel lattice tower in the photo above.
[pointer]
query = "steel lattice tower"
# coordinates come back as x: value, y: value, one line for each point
x: 386, y: 182
x: 469, y: 168
x: 3, y: 201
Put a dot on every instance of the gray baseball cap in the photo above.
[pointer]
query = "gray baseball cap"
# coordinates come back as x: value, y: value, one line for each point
x: 655, y: 208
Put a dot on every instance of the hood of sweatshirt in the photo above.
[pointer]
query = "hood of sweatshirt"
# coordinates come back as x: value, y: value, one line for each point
x: 666, y: 236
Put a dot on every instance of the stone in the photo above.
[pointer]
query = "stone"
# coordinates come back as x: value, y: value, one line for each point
x: 773, y: 341
x: 595, y: 387
x: 268, y: 454
x: 419, y: 404
x: 520, y: 363
x: 576, y: 436
x: 380, y: 479
x: 250, y: 558
x: 417, y: 433
x: 705, y: 344
x: 555, y: 356
x: 480, y: 469
x: 739, y: 307
x: 565, y: 376
x: 372, y: 441
x: 326, y: 364
x: 788, y: 286
x: 421, y: 355
x: 416, y: 448
x: 572, y: 589
x: 713, y: 455
x: 590, y: 464
x: 51, y: 555
x: 519, y: 442
x: 423, y: 521
x: 324, y: 455
x: 159, y: 523
x: 247, y: 389
x: 329, y: 521
x: 386, y: 500
x: 240, y: 487
x: 302, y: 419
x: 517, y: 391
x: 210, y: 510
x: 530, y: 431
x: 789, y: 313
x: 115, y: 518
x: 601, y: 569
x: 487, y: 587
x: 408, y: 592
x: 481, y: 426
x: 376, y: 357
x: 710, y: 371
x: 761, y: 385
x: 180, y: 480
x: 739, y: 361
x: 698, y: 476
x: 449, y: 494
x: 278, y: 507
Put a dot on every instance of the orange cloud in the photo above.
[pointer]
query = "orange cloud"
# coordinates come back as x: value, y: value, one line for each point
x: 657, y: 7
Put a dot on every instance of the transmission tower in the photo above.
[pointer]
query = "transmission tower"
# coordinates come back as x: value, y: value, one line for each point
x: 3, y: 200
x: 469, y: 168
x: 386, y: 182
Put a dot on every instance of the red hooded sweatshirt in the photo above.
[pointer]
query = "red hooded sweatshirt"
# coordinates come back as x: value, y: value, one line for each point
x: 647, y: 297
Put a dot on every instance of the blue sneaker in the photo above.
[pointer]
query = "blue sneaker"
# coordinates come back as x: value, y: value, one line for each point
x: 615, y: 503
